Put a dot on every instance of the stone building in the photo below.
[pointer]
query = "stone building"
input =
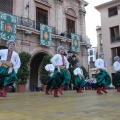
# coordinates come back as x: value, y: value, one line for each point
x: 64, y: 16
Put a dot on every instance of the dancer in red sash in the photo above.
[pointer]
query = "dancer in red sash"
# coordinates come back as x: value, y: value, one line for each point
x: 9, y: 65
x: 62, y: 76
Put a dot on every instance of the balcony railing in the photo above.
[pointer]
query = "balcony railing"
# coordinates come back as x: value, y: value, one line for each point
x: 115, y: 39
x: 26, y: 22
x: 31, y: 24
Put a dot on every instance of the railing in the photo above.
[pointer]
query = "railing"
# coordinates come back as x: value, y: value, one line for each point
x: 68, y: 35
x: 115, y: 39
x: 31, y: 24
x: 26, y: 22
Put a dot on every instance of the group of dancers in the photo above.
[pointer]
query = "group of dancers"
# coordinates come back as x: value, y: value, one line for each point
x: 58, y: 74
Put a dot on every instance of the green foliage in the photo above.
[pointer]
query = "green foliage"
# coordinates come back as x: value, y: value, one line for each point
x: 44, y: 73
x: 85, y: 73
x: 24, y: 71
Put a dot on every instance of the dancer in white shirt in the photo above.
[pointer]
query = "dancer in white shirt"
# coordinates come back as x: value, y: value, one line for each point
x: 62, y: 76
x: 117, y: 70
x: 103, y: 78
x: 9, y: 65
x: 79, y: 79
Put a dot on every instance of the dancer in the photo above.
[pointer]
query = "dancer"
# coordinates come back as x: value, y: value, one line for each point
x: 117, y: 70
x: 62, y: 76
x: 103, y: 78
x: 79, y: 79
x: 50, y: 68
x: 9, y: 65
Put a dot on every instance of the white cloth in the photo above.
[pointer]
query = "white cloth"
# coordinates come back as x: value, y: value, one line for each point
x: 78, y: 71
x: 15, y: 60
x: 57, y: 61
x: 116, y: 66
x: 49, y: 67
x: 100, y: 64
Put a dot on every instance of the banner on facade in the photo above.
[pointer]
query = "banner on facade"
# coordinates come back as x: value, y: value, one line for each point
x: 45, y: 35
x: 75, y: 46
x: 7, y: 26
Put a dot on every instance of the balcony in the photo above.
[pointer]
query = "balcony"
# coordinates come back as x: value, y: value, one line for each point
x: 21, y: 21
x: 115, y: 39
x: 26, y: 22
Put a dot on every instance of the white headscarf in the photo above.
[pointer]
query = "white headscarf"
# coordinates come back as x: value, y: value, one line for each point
x: 10, y: 41
x: 59, y: 48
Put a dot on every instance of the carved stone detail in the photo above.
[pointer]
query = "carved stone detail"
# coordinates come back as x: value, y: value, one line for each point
x: 46, y: 2
x: 71, y: 12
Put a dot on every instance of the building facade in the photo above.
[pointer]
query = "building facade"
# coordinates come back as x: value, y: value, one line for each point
x: 92, y: 56
x: 110, y: 31
x: 99, y: 40
x: 64, y: 16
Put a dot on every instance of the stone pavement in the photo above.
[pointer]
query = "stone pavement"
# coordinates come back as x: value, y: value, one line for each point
x: 70, y: 106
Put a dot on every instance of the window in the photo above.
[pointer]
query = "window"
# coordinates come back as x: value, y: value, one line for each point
x: 6, y: 6
x: 91, y: 52
x: 112, y: 11
x: 70, y: 27
x: 41, y: 17
x: 115, y: 52
x: 91, y: 59
x: 114, y: 34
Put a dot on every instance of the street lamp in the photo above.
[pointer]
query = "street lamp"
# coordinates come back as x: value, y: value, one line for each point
x: 74, y: 57
x: 69, y: 53
x: 64, y: 54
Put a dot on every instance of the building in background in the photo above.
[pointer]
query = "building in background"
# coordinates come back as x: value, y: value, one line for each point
x: 110, y: 32
x: 99, y: 40
x: 62, y: 16
x: 92, y: 56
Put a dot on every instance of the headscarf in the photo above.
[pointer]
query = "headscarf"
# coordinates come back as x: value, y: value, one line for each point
x: 10, y: 41
x: 59, y: 48
x: 101, y: 54
x: 116, y: 58
x: 78, y: 65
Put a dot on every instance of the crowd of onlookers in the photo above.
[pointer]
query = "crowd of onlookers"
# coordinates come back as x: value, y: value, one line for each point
x: 90, y: 83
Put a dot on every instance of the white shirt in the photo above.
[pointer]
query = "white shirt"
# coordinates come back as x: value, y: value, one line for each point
x: 49, y: 67
x: 100, y: 64
x: 57, y: 61
x: 15, y: 60
x: 116, y: 66
x: 78, y: 71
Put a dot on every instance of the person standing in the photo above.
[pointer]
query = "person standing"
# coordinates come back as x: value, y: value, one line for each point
x: 116, y: 66
x: 79, y: 79
x: 62, y: 76
x: 50, y: 68
x: 103, y: 78
x: 9, y: 65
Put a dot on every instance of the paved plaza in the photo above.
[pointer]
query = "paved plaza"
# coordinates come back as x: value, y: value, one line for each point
x: 70, y: 106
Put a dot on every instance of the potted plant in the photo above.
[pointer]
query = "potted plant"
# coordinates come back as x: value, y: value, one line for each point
x: 23, y: 72
x: 43, y: 72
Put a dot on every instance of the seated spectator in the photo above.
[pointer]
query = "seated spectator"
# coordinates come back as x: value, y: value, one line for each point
x: 87, y: 84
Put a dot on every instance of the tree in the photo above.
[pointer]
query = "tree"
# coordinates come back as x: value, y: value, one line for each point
x: 24, y: 71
